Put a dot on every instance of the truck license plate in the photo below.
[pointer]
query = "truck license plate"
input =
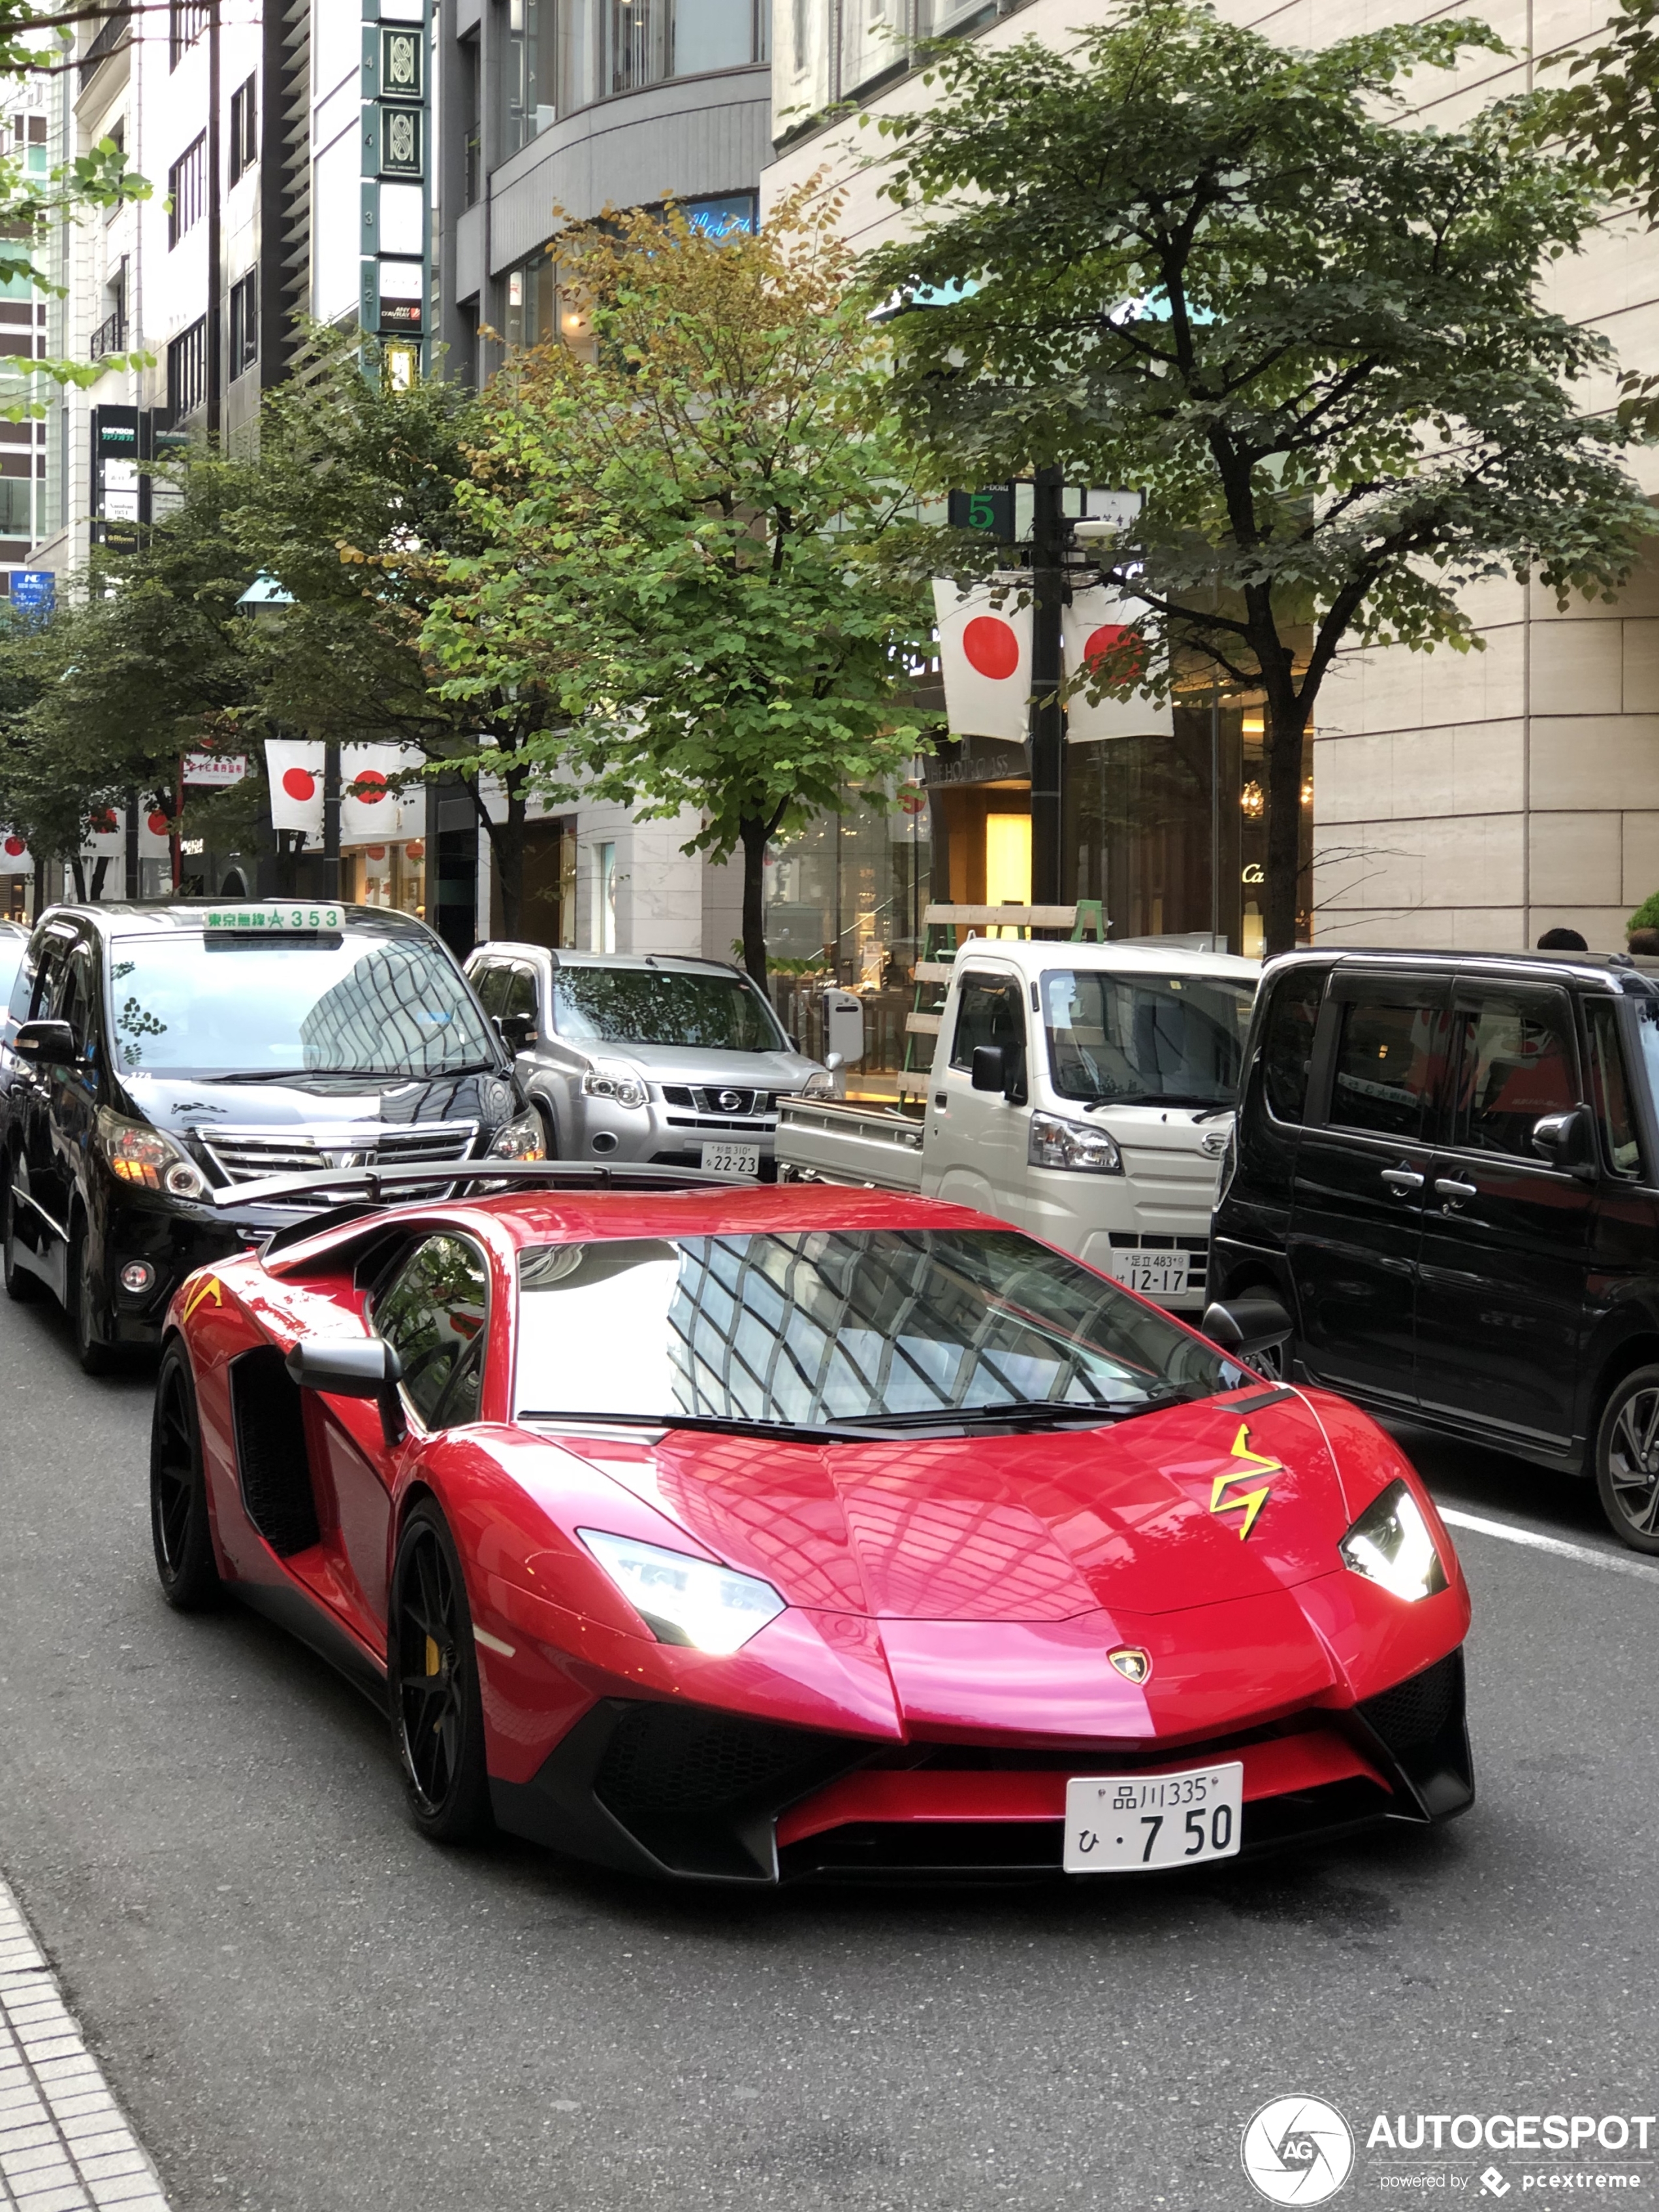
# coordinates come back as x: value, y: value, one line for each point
x: 1116, y: 1823
x: 719, y: 1158
x: 1159, y: 1274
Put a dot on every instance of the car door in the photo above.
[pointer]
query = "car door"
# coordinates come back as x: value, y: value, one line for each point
x: 976, y: 1140
x: 1505, y: 1243
x: 434, y: 1311
x: 1362, y: 1167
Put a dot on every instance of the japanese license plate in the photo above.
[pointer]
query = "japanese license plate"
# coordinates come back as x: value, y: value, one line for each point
x: 289, y: 916
x: 1117, y: 1822
x: 719, y: 1158
x: 1159, y: 1274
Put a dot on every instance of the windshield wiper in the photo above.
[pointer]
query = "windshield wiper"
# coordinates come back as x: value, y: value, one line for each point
x: 1026, y: 1413
x: 727, y: 1425
x: 346, y: 1074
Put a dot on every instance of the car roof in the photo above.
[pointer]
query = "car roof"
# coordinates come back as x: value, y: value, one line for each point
x: 163, y: 917
x: 1608, y: 970
x: 503, y: 948
x: 1031, y: 955
x: 531, y: 1218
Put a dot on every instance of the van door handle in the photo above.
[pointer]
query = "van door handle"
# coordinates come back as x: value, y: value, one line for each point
x: 1402, y: 1179
x: 1448, y: 1186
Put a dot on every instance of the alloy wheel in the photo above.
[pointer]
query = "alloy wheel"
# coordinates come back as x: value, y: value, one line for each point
x: 173, y: 1480
x: 1633, y: 1462
x: 429, y: 1687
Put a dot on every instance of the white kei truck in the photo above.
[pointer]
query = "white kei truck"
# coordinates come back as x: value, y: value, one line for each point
x: 1082, y: 1091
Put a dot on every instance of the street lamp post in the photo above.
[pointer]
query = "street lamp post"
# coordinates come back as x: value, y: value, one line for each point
x: 1048, y: 724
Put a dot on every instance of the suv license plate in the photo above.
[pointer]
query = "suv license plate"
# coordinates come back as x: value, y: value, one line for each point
x: 731, y: 1159
x: 1116, y: 1823
x: 1158, y: 1274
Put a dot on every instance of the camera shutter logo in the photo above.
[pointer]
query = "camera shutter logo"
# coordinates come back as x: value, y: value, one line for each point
x: 1297, y: 2150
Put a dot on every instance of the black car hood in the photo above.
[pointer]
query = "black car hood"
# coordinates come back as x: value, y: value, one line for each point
x: 317, y: 1101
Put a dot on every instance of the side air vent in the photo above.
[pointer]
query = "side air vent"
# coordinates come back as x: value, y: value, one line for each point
x: 271, y: 1461
x: 1415, y: 1712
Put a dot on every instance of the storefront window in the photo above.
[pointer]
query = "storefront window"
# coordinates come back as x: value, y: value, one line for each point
x: 392, y: 876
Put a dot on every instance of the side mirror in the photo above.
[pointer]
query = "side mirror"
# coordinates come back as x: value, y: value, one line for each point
x: 46, y: 1044
x: 1566, y: 1141
x: 353, y: 1367
x: 990, y: 1069
x: 832, y: 1061
x: 1246, y: 1326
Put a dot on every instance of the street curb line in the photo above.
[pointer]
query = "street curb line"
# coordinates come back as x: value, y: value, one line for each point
x: 65, y: 2145
x: 1586, y: 1553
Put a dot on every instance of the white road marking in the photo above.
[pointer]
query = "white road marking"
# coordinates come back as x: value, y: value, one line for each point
x: 65, y: 2142
x: 1615, y: 1562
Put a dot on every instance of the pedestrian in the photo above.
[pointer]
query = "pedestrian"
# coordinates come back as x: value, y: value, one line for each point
x: 1562, y: 940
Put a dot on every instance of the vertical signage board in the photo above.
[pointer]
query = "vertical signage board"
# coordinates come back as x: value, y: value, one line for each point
x: 395, y: 295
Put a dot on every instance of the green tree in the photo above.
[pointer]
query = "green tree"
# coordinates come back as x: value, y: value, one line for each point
x: 681, y: 521
x: 1231, y: 274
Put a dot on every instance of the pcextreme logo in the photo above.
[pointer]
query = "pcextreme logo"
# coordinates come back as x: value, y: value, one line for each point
x: 1248, y: 1502
x: 1297, y: 2150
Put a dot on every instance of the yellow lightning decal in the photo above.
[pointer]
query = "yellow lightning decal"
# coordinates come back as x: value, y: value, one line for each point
x: 1252, y: 1501
x: 212, y: 1288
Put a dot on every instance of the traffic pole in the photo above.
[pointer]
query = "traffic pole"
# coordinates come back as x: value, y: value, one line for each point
x: 1048, y: 715
x: 331, y: 820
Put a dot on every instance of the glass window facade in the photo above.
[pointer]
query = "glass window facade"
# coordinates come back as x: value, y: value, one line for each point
x: 563, y: 55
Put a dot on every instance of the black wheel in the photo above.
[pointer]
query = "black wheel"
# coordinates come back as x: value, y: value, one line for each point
x: 431, y: 1669
x: 1627, y: 1460
x: 20, y: 1283
x: 178, y: 1490
x: 96, y: 1357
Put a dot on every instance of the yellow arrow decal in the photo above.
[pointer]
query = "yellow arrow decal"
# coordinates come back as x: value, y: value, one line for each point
x: 202, y: 1291
x: 1250, y: 1501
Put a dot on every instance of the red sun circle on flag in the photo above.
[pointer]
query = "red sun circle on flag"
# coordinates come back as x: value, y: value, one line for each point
x: 298, y: 783
x: 1106, y: 641
x: 992, y: 647
x: 369, y: 787
x: 157, y: 824
x: 101, y: 821
x: 375, y: 852
x: 12, y: 846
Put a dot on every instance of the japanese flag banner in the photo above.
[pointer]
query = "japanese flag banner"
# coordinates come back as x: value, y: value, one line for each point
x: 295, y: 768
x: 985, y: 651
x: 15, y: 858
x: 368, y: 807
x: 1099, y: 631
x: 106, y: 834
x: 154, y: 833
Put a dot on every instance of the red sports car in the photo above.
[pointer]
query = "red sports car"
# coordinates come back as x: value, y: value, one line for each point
x: 750, y: 1534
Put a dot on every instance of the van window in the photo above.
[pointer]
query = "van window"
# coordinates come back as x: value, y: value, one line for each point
x: 1385, y: 1063
x: 1516, y: 1063
x: 1609, y: 1091
x: 989, y: 1011
x: 1287, y: 1042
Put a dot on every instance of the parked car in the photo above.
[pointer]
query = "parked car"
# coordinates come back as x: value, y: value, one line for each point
x: 1446, y: 1167
x: 751, y: 1534
x: 14, y: 938
x: 644, y: 1057
x: 152, y: 1056
x: 1082, y: 1091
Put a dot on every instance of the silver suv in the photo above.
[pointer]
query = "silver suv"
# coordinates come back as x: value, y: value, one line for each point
x: 652, y: 1056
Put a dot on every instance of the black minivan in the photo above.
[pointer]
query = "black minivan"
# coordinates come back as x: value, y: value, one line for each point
x: 1446, y: 1167
x: 152, y: 1056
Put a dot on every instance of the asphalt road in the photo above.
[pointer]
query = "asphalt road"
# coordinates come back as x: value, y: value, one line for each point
x: 305, y: 2007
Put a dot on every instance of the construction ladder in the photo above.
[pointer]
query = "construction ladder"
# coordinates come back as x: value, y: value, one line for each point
x: 932, y: 973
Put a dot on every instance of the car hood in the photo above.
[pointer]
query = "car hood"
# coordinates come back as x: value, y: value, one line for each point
x: 317, y: 1101
x: 1194, y: 1505
x: 701, y: 1064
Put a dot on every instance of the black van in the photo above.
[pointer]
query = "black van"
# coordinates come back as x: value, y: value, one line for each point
x: 153, y: 1054
x: 1446, y: 1166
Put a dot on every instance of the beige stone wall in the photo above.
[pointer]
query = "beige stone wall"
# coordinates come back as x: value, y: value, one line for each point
x: 1460, y: 800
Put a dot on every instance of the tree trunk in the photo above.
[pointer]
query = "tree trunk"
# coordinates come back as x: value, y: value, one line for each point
x: 506, y: 842
x: 754, y: 833
x: 99, y: 874
x: 80, y: 874
x: 1287, y: 722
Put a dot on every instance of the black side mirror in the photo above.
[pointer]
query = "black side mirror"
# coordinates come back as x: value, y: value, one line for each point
x: 990, y: 1068
x: 1567, y: 1141
x: 516, y: 1031
x: 46, y: 1044
x: 348, y: 1367
x: 1246, y: 1326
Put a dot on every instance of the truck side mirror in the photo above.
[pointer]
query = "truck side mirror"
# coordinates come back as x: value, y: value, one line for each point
x: 352, y: 1367
x: 990, y: 1068
x: 1566, y: 1140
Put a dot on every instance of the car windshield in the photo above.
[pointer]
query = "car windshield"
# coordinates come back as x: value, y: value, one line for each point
x: 802, y: 1329
x: 1170, y: 1040
x: 363, y: 1004
x: 652, y: 1006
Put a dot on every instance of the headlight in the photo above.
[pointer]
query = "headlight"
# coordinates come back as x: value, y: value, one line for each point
x: 615, y: 1080
x: 137, y: 1153
x: 1057, y: 1144
x: 1391, y: 1543
x: 520, y: 1140
x: 821, y: 1085
x: 685, y: 1600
